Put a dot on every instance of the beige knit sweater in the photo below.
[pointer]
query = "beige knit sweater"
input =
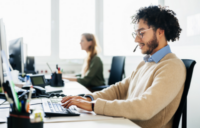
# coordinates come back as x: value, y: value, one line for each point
x: 149, y: 97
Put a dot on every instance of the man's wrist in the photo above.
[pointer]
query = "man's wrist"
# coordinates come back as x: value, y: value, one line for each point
x: 90, y: 97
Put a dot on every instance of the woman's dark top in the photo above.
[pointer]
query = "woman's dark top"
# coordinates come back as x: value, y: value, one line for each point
x: 94, y: 74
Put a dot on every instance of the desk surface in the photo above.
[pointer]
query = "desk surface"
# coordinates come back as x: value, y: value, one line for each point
x: 115, y: 123
x: 87, y: 119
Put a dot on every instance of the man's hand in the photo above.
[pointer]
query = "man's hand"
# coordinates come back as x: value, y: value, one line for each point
x: 81, y: 102
x: 74, y: 97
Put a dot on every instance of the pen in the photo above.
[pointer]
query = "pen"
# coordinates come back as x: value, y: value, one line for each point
x: 23, y: 106
x: 8, y: 99
x: 28, y: 100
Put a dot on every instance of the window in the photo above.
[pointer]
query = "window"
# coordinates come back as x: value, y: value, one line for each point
x: 76, y: 17
x: 31, y: 20
x: 117, y: 38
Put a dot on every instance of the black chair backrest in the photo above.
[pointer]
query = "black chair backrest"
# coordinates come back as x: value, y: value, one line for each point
x: 117, y: 69
x: 182, y: 109
x: 30, y: 63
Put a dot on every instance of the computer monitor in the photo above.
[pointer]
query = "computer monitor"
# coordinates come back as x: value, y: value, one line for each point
x: 3, y: 46
x: 16, y: 54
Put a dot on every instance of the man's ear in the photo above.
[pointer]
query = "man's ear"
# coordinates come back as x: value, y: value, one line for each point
x: 160, y: 32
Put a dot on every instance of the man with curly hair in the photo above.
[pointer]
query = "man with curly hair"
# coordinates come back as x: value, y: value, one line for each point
x: 151, y: 95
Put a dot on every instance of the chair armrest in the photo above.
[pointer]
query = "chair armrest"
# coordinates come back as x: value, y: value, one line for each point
x: 99, y: 88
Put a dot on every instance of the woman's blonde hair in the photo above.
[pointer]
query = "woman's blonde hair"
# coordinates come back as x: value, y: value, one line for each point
x: 92, y: 51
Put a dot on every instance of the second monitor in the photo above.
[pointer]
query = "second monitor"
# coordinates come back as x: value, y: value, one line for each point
x: 16, y: 54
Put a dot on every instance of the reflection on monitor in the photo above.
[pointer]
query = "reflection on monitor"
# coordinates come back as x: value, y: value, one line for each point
x: 16, y: 54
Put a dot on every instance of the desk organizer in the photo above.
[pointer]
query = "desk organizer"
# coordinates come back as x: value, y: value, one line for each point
x: 56, y: 80
x: 21, y: 120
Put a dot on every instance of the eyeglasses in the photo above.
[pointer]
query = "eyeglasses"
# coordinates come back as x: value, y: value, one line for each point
x: 139, y: 33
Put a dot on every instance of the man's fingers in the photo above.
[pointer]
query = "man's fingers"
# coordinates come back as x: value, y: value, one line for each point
x: 72, y: 97
x: 66, y: 98
x: 79, y: 97
x: 65, y: 104
x: 68, y: 102
x: 79, y: 103
x: 74, y: 102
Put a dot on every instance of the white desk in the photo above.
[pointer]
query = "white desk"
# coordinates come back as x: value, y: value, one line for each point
x: 86, y: 119
x: 115, y: 123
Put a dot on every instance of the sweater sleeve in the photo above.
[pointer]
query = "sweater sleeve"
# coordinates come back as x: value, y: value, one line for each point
x: 93, y: 69
x: 168, y: 81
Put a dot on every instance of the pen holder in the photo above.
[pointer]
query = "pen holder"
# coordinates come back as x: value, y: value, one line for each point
x: 21, y: 120
x: 56, y: 80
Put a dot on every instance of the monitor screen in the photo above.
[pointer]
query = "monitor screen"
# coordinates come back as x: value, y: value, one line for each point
x: 37, y: 80
x: 16, y: 55
x: 3, y: 46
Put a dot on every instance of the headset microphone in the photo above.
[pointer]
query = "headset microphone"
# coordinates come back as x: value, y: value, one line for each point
x: 135, y: 48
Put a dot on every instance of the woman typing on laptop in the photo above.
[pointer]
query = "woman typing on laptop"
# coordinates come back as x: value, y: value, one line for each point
x: 92, y: 71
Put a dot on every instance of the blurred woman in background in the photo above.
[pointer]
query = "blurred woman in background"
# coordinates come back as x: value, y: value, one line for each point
x: 92, y: 71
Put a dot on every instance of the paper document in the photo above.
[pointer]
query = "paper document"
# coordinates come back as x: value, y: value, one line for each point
x: 35, y: 101
x: 53, y: 89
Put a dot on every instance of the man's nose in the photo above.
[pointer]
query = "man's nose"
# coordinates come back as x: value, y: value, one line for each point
x: 137, y: 39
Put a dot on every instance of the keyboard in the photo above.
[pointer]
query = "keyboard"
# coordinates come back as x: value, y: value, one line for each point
x: 53, y: 107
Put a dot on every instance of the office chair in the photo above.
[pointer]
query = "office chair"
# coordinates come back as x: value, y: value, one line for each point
x: 182, y: 109
x: 116, y: 73
x: 30, y: 65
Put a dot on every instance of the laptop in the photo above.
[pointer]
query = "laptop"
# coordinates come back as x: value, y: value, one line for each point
x: 52, y: 107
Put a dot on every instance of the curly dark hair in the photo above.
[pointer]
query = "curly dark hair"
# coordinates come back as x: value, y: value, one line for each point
x: 159, y: 17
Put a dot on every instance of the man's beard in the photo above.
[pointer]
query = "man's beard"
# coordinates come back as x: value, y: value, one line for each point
x: 153, y: 44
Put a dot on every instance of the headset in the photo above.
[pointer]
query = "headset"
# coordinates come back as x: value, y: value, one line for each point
x: 135, y: 48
